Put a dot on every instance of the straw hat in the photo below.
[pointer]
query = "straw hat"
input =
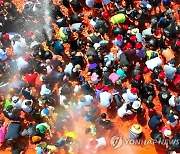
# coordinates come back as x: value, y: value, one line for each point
x: 167, y: 133
x: 136, y: 128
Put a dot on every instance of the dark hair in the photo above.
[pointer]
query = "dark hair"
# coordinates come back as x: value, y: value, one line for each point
x: 9, y: 108
x: 69, y: 139
x: 1, y: 122
x: 28, y: 103
x: 103, y: 115
x: 9, y: 142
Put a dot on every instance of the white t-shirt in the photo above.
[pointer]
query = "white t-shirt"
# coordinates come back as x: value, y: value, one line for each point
x: 45, y: 91
x: 106, y: 1
x: 152, y: 63
x: 21, y: 63
x: 18, y: 104
x: 129, y: 97
x: 62, y: 98
x: 90, y: 3
x: 17, y: 48
x: 172, y: 101
x: 68, y: 68
x: 25, y: 107
x: 88, y: 101
x: 105, y: 99
x: 3, y: 55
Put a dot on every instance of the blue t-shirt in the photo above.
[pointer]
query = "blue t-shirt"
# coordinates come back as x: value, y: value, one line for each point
x: 58, y: 48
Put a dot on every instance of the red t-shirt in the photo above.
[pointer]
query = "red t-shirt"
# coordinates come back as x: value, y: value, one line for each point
x: 31, y: 78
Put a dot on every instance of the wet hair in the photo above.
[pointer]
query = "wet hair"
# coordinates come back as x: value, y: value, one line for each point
x: 28, y: 103
x: 90, y: 16
x: 9, y: 108
x: 103, y: 115
x: 1, y: 122
x: 9, y: 142
x: 89, y: 31
x: 87, y: 130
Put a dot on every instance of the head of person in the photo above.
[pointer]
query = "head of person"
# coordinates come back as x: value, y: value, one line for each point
x: 28, y: 103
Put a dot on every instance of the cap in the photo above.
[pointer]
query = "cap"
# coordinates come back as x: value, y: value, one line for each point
x: 125, y: 27
x: 99, y: 86
x: 145, y: 70
x: 26, y: 58
x: 167, y: 133
x: 1, y: 2
x: 137, y: 77
x: 148, y: 6
x: 136, y: 105
x: 178, y: 43
x: 15, y: 98
x: 42, y: 129
x: 133, y: 38
x: 45, y: 111
x: 128, y: 45
x: 6, y: 36
x: 119, y: 37
x: 138, y: 45
x: 106, y: 88
x: 36, y: 139
x: 134, y: 90
x: 161, y: 75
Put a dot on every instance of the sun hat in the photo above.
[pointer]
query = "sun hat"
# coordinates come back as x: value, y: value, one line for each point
x: 167, y: 133
x: 136, y: 128
x: 136, y: 105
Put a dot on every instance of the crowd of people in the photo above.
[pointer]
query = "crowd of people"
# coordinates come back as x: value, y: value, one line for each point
x: 57, y: 67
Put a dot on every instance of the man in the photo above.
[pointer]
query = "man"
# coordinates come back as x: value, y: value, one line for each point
x: 154, y: 121
x: 105, y: 97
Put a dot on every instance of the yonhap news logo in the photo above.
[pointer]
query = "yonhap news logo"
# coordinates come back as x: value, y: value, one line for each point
x: 118, y: 141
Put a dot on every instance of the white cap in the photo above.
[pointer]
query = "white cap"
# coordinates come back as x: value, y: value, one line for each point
x: 15, y: 98
x: 149, y: 7
x: 136, y: 104
x: 167, y: 133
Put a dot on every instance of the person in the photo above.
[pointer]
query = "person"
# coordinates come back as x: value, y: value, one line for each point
x: 12, y: 134
x: 43, y: 127
x: 27, y: 106
x: 105, y: 97
x: 3, y: 128
x: 155, y: 121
